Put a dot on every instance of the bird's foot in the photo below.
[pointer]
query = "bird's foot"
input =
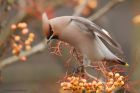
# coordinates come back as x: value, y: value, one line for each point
x: 79, y: 70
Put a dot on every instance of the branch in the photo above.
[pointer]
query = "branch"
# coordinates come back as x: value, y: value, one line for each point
x: 36, y: 49
x: 6, y: 32
x: 110, y: 5
x: 80, y: 8
x: 42, y: 46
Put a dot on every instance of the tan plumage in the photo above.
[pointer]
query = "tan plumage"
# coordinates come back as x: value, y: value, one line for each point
x: 84, y: 35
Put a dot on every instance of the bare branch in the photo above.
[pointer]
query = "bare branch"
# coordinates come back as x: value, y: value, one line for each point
x: 36, y: 49
x: 80, y: 8
x: 105, y: 9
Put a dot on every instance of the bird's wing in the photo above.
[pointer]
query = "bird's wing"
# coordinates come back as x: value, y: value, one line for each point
x: 96, y: 30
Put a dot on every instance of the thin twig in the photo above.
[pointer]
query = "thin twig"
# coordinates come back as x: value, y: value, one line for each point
x: 91, y: 76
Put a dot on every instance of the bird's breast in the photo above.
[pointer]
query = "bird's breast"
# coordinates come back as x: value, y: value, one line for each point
x: 83, y: 42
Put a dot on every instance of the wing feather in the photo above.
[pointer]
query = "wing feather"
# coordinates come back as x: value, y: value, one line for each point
x: 97, y: 30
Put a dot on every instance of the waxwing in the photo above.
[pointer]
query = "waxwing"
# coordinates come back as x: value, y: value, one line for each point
x: 84, y: 36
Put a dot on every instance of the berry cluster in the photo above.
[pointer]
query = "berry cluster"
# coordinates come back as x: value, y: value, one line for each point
x: 81, y: 84
x: 21, y: 39
x: 114, y: 81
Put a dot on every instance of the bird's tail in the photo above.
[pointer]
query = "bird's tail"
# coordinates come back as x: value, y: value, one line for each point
x: 107, y: 54
x: 119, y: 61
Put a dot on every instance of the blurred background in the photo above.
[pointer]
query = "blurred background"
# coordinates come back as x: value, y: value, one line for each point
x: 41, y: 72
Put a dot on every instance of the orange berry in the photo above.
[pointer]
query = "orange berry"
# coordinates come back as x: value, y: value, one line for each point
x: 92, y: 3
x: 98, y: 91
x: 84, y: 80
x: 121, y: 83
x: 73, y: 77
x: 111, y: 80
x: 113, y: 87
x: 30, y: 39
x: 110, y: 74
x: 17, y: 38
x: 82, y: 88
x: 69, y: 85
x: 109, y: 90
x: 62, y: 84
x: 115, y: 84
x: 14, y: 45
x: 27, y: 42
x: 117, y: 75
x: 99, y: 83
x: 69, y: 78
x: 28, y: 47
x: 80, y: 1
x: 119, y: 79
x: 89, y: 84
x: 77, y: 78
x: 86, y: 11
x: 75, y: 83
x: 81, y: 84
x: 20, y: 46
x: 23, y: 58
x: 94, y: 82
x: 109, y: 83
x: 13, y: 26
x: 100, y: 87
x: 19, y: 25
x: 31, y: 35
x: 16, y: 51
x: 64, y: 88
x: 122, y: 77
x: 88, y: 91
x: 136, y: 19
x: 23, y: 25
x: 86, y: 84
x: 25, y: 31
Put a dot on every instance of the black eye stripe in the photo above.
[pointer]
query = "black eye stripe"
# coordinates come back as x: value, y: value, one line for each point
x: 50, y: 32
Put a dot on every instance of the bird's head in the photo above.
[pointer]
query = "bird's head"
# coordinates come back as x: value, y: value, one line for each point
x: 47, y: 28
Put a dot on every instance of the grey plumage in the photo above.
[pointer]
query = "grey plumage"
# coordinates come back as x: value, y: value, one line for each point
x: 85, y: 36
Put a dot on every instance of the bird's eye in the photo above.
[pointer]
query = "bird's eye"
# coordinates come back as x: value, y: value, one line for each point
x: 51, y: 33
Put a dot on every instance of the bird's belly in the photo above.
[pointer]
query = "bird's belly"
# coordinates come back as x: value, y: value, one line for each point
x: 93, y: 53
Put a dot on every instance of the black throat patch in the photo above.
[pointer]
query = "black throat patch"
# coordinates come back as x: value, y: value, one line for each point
x: 51, y: 33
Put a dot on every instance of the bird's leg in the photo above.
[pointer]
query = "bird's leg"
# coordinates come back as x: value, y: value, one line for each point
x: 79, y: 70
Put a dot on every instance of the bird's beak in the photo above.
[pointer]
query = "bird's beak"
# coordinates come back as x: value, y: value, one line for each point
x: 49, y: 40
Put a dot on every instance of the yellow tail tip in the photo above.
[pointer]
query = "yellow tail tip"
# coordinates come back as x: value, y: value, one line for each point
x: 127, y: 65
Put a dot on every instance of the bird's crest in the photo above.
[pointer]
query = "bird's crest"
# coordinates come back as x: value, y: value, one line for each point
x: 45, y: 18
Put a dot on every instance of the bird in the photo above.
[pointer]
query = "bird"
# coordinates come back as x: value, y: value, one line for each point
x: 83, y: 35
